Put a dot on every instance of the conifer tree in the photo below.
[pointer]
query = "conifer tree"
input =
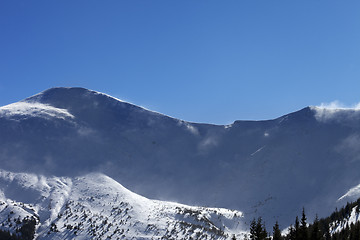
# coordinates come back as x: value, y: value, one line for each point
x: 276, y: 232
x: 354, y: 232
x: 297, y: 229
x: 303, y: 228
x: 257, y: 230
x: 315, y: 231
x: 291, y: 234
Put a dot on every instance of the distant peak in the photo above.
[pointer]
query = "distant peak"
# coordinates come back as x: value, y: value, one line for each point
x: 303, y: 114
x: 78, y: 99
x: 68, y: 92
x: 61, y: 90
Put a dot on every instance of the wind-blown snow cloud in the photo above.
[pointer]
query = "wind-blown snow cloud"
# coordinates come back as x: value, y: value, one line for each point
x: 352, y: 194
x: 350, y: 147
x: 192, y: 129
x: 338, y: 105
x: 209, y: 142
x: 330, y: 111
x: 189, y: 127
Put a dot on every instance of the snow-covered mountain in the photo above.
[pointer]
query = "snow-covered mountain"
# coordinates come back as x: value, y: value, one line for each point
x: 309, y: 158
x: 95, y: 206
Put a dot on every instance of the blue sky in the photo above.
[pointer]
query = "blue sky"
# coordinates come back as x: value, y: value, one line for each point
x: 202, y: 61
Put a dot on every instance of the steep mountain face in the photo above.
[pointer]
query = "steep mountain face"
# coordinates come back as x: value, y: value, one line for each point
x: 268, y: 168
x: 95, y: 206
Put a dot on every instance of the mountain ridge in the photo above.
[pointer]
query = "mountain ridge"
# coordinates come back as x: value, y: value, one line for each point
x: 51, y: 96
x: 254, y: 166
x: 46, y: 95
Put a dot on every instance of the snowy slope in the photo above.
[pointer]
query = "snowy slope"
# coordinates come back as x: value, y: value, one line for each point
x: 338, y: 226
x: 271, y: 168
x: 351, y: 195
x: 95, y: 206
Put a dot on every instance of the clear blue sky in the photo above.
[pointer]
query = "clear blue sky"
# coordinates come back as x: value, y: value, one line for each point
x: 202, y: 61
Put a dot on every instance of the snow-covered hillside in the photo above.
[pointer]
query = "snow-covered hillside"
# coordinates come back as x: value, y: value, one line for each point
x: 95, y: 206
x: 338, y: 226
x: 271, y: 168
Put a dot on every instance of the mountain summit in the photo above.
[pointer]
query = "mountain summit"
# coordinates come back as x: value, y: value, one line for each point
x: 309, y: 158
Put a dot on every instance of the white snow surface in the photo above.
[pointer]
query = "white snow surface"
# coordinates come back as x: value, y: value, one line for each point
x: 34, y: 109
x: 351, y: 195
x: 94, y: 206
x: 337, y: 226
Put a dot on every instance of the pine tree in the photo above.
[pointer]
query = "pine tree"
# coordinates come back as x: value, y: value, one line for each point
x: 354, y: 232
x: 257, y: 230
x: 303, y: 228
x: 291, y: 234
x: 276, y: 232
x: 297, y: 229
x: 253, y: 229
x: 315, y: 231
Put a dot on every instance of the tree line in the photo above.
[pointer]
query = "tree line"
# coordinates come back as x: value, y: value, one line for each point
x: 25, y: 232
x: 319, y: 229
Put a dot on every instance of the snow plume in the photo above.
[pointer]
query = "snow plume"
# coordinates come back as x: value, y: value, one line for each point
x: 189, y: 127
x: 334, y: 110
x: 352, y: 194
x: 86, y: 131
x: 211, y: 140
x: 350, y: 147
x: 208, y: 143
x: 337, y: 105
x: 192, y: 129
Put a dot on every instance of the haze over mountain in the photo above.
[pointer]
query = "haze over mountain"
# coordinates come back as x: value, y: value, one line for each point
x: 266, y: 168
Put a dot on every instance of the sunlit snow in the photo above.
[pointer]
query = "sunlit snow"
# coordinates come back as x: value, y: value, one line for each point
x: 34, y: 109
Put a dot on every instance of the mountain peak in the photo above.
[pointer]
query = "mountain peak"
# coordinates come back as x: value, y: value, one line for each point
x: 67, y: 93
x: 77, y: 99
x: 302, y: 114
